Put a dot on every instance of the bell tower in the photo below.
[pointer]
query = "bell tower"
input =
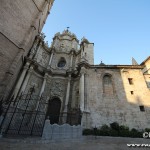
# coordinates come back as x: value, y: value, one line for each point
x: 87, y: 50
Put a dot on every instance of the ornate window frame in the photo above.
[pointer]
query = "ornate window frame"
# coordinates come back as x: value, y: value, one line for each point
x: 62, y: 62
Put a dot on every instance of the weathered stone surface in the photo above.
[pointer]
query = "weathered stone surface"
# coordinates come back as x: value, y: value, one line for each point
x: 18, y: 28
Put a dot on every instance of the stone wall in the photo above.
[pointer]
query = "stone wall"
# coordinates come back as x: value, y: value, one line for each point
x: 18, y: 28
x: 122, y: 106
x: 6, y: 58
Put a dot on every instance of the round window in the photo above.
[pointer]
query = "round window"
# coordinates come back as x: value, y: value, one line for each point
x: 62, y: 63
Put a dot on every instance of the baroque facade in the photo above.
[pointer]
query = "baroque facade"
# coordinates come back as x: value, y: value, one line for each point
x: 65, y: 75
x: 21, y: 21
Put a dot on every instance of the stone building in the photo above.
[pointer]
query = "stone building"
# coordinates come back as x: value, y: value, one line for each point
x: 20, y: 22
x: 64, y: 74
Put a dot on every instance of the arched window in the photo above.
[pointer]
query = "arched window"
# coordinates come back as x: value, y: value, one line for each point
x: 107, y: 85
x: 62, y: 62
x: 107, y: 79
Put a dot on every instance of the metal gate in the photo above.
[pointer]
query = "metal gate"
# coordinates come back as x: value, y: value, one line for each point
x: 25, y: 116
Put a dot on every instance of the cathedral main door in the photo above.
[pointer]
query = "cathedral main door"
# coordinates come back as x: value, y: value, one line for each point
x: 53, y: 111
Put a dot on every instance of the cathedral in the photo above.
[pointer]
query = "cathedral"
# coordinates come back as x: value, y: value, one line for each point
x: 60, y: 83
x: 76, y: 91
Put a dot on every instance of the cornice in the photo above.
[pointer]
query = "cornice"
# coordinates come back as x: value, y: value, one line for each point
x: 118, y: 66
x: 60, y: 37
x: 72, y: 50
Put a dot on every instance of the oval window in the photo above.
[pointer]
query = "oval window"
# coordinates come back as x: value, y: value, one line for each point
x: 62, y: 63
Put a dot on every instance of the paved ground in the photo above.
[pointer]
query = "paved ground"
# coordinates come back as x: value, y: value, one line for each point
x: 86, y: 143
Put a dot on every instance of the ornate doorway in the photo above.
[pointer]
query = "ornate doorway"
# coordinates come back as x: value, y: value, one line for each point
x: 54, y: 110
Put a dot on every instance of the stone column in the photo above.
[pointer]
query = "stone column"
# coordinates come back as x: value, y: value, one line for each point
x: 82, y: 89
x: 71, y: 61
x: 64, y: 119
x: 82, y: 51
x: 21, y: 79
x: 50, y: 60
x: 43, y: 85
x: 26, y: 79
x: 67, y: 94
x: 85, y: 112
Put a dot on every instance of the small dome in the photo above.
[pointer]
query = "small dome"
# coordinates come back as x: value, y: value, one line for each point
x: 66, y: 34
x: 102, y: 64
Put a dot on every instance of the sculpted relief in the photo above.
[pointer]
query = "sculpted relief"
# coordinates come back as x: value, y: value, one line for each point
x: 62, y: 48
x: 43, y: 58
x: 57, y: 88
x: 65, y: 46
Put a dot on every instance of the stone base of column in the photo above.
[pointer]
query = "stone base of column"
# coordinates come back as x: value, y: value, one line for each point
x: 66, y: 109
x: 64, y: 118
x: 45, y: 133
x: 86, y: 121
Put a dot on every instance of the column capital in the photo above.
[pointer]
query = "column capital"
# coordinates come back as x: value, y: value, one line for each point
x: 83, y: 70
x: 52, y: 51
x: 30, y: 69
x: 40, y: 43
x: 26, y: 65
x: 46, y: 76
x: 72, y: 52
x: 69, y: 77
x: 36, y: 40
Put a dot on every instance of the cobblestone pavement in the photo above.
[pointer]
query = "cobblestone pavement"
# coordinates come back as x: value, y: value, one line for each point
x: 86, y: 143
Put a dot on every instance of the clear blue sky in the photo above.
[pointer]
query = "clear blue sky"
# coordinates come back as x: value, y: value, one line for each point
x: 119, y: 29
